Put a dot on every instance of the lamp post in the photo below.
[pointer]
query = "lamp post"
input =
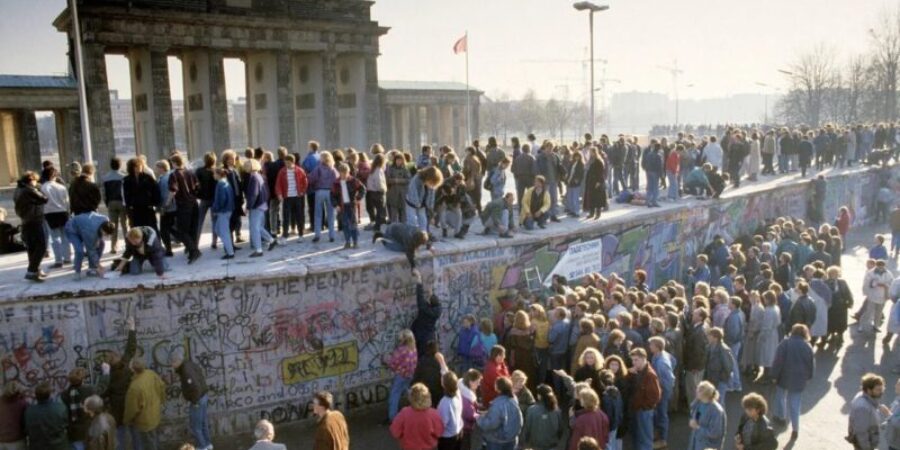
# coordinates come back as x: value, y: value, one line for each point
x: 766, y: 101
x: 591, y: 8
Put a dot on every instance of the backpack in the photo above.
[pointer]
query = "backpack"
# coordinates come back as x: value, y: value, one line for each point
x: 477, y: 352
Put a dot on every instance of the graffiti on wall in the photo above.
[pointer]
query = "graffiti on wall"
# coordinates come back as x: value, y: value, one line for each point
x: 268, y: 345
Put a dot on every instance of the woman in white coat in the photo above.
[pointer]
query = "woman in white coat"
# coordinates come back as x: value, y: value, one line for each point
x: 767, y: 342
x: 820, y: 294
x: 753, y: 159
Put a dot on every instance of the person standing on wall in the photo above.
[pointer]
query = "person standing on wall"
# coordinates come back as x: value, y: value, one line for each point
x: 113, y: 197
x: 30, y: 203
x: 143, y: 404
x: 194, y: 391
x: 291, y: 187
x: 183, y: 186
x: 331, y: 431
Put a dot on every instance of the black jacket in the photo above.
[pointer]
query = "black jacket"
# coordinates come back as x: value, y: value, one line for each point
x: 425, y: 324
x: 696, y: 347
x: 141, y: 192
x: 84, y: 195
x: 193, y: 381
x: 803, y: 311
x: 120, y: 379
x: 30, y: 203
x: 763, y: 437
x: 207, y: 184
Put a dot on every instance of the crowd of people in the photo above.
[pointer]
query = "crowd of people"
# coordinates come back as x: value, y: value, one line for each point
x: 409, y: 200
x: 585, y: 366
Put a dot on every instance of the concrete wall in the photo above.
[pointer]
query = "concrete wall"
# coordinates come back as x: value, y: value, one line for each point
x: 267, y: 345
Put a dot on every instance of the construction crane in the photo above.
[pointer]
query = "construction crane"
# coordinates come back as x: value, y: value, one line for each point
x: 675, y: 72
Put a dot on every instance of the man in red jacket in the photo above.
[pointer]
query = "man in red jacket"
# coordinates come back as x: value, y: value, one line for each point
x: 290, y: 187
x: 645, y: 395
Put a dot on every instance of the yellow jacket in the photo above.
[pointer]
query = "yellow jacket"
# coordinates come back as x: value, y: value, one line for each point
x: 526, y: 204
x: 541, y: 334
x: 144, y: 401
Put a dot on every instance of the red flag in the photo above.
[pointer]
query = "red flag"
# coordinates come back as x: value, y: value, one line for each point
x: 462, y: 45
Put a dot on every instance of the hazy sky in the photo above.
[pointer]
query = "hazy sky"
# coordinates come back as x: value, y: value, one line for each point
x: 723, y: 46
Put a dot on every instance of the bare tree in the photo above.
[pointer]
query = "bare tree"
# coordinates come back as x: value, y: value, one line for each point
x: 558, y: 116
x: 811, y: 75
x: 886, y: 59
x: 497, y: 116
x: 528, y: 113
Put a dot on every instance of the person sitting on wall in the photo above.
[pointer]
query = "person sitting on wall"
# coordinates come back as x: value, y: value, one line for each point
x: 403, y: 237
x: 498, y: 215
x: 142, y: 244
x: 8, y: 241
x: 716, y: 180
x: 535, y: 205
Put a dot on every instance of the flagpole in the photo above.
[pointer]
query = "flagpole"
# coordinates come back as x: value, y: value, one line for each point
x: 468, y: 107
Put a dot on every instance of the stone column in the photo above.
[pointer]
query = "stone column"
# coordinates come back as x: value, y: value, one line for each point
x: 387, y: 123
x: 9, y: 166
x: 287, y: 133
x: 163, y: 123
x: 218, y: 102
x: 373, y: 102
x: 415, y: 130
x: 434, y: 127
x: 100, y: 116
x: 446, y: 126
x: 29, y: 148
x: 330, y: 99
x: 63, y: 139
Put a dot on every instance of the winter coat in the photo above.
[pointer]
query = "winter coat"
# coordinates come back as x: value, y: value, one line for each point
x: 645, y: 390
x: 300, y: 181
x: 841, y: 301
x: 428, y: 372
x: 595, y: 186
x: 84, y: 195
x: 502, y: 422
x: 331, y: 432
x: 144, y: 401
x: 520, y: 354
x: 543, y: 429
x: 762, y: 437
x: 753, y: 161
x: 29, y: 203
x: 193, y: 381
x: 593, y: 424
x: 719, y: 364
x: 711, y: 418
x: 257, y: 192
x: 417, y: 429
x: 863, y: 424
x: 120, y: 379
x: 356, y: 191
x: 528, y: 204
x: 45, y: 425
x: 424, y: 326
x: 492, y: 371
x: 750, y: 346
x: 794, y: 364
x: 223, y: 199
x: 803, y: 311
x: 821, y: 296
x: 696, y: 347
x: 769, y: 336
x: 418, y: 195
x: 524, y: 168
x: 141, y: 192
x: 397, y: 182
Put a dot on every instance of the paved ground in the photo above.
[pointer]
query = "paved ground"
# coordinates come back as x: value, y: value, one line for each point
x: 823, y: 423
x: 299, y: 259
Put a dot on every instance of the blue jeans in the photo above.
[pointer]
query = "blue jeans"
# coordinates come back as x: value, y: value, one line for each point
x: 123, y: 434
x: 78, y: 245
x: 348, y: 223
x: 530, y: 223
x: 553, y: 190
x: 199, y: 422
x: 618, y: 179
x: 722, y: 388
x: 573, y: 199
x: 652, y: 188
x: 615, y: 442
x: 205, y: 205
x: 221, y: 227
x: 674, y: 183
x: 895, y: 241
x: 642, y: 433
x: 323, y: 206
x: 417, y: 217
x: 734, y: 384
x: 78, y: 445
x: 793, y: 403
x: 398, y: 390
x: 59, y: 242
x: 149, y: 439
x: 501, y: 446
x: 661, y: 414
x: 258, y: 233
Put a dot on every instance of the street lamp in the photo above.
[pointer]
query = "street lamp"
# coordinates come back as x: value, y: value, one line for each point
x: 766, y: 101
x: 591, y: 8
